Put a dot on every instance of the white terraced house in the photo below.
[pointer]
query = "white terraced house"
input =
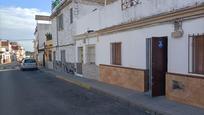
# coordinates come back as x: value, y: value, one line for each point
x: 43, y: 27
x: 153, y: 46
x: 63, y: 18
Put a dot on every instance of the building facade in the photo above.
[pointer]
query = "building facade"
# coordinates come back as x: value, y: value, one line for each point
x: 149, y: 46
x: 11, y: 51
x: 4, y: 52
x: 63, y: 18
x: 152, y: 46
x: 43, y: 28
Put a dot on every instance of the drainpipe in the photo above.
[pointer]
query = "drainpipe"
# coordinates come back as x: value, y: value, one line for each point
x: 57, y: 47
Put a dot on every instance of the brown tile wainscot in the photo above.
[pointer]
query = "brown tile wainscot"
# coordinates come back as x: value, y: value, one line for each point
x: 126, y: 77
x: 188, y: 89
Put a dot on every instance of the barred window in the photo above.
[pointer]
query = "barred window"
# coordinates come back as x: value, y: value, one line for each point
x: 90, y: 54
x: 196, y: 54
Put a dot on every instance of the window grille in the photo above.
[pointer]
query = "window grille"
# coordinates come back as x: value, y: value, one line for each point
x: 196, y: 54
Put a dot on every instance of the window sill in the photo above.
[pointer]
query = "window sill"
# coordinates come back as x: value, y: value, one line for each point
x: 188, y: 75
x: 196, y: 74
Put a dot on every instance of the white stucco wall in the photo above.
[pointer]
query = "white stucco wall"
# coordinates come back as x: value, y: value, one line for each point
x: 112, y: 14
x: 178, y: 48
x: 42, y: 29
x: 40, y: 57
x: 69, y: 52
x: 134, y: 45
x: 65, y: 36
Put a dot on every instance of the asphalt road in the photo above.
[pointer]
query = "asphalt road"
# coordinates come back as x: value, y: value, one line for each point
x: 38, y: 93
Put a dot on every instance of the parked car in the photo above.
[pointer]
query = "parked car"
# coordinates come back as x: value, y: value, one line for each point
x: 27, y: 64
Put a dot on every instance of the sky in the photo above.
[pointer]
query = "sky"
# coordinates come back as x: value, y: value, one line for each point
x: 17, y: 19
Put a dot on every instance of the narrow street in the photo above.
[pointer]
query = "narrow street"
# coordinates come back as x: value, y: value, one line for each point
x: 38, y: 93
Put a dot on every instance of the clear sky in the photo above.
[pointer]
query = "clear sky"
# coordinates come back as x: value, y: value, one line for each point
x: 17, y: 20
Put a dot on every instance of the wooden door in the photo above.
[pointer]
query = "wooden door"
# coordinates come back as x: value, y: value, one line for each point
x: 54, y: 56
x: 158, y: 65
x: 44, y: 59
x: 54, y: 60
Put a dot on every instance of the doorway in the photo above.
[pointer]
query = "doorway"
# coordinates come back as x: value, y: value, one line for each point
x: 54, y: 60
x: 80, y: 61
x: 157, y: 64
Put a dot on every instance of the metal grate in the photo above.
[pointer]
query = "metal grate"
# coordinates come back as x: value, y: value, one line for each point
x: 196, y: 53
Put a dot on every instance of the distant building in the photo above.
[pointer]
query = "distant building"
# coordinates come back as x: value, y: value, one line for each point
x: 10, y: 51
x: 5, y: 56
x: 43, y: 28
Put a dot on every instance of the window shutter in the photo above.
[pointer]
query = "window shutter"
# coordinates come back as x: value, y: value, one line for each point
x: 116, y: 53
x: 113, y: 53
x: 198, y: 54
x: 71, y: 15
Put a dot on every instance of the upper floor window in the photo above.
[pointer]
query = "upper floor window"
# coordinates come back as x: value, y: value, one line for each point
x: 196, y: 54
x: 116, y: 53
x: 129, y: 3
x: 71, y: 15
x: 60, y: 22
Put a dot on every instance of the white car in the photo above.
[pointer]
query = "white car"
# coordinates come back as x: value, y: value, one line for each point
x: 28, y: 64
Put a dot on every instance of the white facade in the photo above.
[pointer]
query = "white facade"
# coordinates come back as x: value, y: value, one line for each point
x: 41, y: 30
x: 134, y: 48
x: 134, y: 40
x: 112, y: 14
x: 63, y: 39
x: 9, y: 54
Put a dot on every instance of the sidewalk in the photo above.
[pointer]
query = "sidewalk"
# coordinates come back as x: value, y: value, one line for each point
x: 154, y: 106
x: 11, y: 65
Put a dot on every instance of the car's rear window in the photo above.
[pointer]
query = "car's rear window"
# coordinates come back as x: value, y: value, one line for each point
x: 29, y: 61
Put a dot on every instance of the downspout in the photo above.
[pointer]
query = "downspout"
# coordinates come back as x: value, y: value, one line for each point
x: 57, y: 47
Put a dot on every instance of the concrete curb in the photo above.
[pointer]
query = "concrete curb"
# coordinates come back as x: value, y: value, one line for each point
x: 118, y: 98
x: 81, y: 84
x: 142, y: 107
